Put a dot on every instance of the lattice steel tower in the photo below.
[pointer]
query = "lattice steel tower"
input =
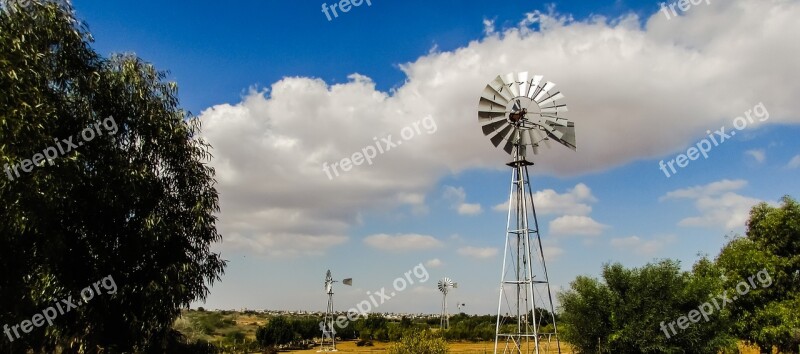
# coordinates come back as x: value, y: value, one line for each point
x: 444, y: 285
x: 522, y: 113
x: 328, y: 332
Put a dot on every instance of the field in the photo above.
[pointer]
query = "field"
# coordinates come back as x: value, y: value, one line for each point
x: 476, y: 348
x: 480, y: 347
x: 218, y: 327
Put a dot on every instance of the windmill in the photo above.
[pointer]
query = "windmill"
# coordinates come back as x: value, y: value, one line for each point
x: 445, y: 284
x: 328, y: 332
x: 518, y: 113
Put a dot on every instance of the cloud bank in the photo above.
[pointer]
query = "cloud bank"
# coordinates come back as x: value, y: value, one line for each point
x: 635, y: 92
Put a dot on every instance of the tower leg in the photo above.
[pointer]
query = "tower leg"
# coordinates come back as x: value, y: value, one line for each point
x: 524, y: 276
x: 328, y: 332
x: 444, y: 321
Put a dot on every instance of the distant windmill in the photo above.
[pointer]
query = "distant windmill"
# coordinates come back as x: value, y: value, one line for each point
x: 445, y: 284
x: 328, y: 332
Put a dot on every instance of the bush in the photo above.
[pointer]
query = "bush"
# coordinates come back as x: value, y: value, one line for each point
x: 364, y: 343
x: 419, y: 342
x: 235, y: 336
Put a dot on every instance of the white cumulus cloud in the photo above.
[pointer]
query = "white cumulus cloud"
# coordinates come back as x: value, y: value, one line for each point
x: 576, y: 225
x: 478, y: 252
x: 641, y: 246
x: 434, y: 263
x: 403, y: 242
x: 548, y: 202
x: 718, y: 205
x: 457, y: 196
x: 759, y: 155
x: 794, y: 162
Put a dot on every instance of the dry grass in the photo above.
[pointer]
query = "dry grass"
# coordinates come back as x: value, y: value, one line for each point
x: 461, y: 348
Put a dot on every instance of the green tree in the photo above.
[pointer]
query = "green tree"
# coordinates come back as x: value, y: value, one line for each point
x: 586, y: 316
x: 136, y: 202
x: 395, y: 331
x: 419, y: 342
x: 349, y: 331
x: 307, y: 328
x: 625, y: 312
x: 474, y: 328
x: 277, y: 331
x: 764, y: 265
x: 373, y: 327
x: 405, y: 322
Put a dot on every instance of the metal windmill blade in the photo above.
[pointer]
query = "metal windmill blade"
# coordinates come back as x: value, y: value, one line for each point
x: 568, y: 137
x: 445, y: 284
x: 328, y: 282
x: 519, y: 114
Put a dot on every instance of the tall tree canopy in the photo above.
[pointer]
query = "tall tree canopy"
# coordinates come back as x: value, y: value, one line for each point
x: 136, y: 201
x: 769, y: 313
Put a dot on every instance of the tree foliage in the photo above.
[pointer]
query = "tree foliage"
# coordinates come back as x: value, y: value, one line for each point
x: 759, y: 273
x: 278, y: 331
x: 136, y: 204
x: 767, y: 259
x: 624, y: 312
x: 374, y: 327
x: 281, y: 330
x: 472, y: 328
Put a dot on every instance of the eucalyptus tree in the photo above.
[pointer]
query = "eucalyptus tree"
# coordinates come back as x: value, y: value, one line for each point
x: 134, y: 200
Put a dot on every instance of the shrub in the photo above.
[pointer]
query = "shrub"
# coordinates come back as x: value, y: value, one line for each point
x: 419, y: 342
x: 364, y: 343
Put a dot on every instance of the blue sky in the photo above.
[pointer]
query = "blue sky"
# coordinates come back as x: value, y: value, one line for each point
x: 282, y: 90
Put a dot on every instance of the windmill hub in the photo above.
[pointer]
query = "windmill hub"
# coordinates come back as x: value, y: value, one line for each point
x: 523, y: 113
x: 518, y: 115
